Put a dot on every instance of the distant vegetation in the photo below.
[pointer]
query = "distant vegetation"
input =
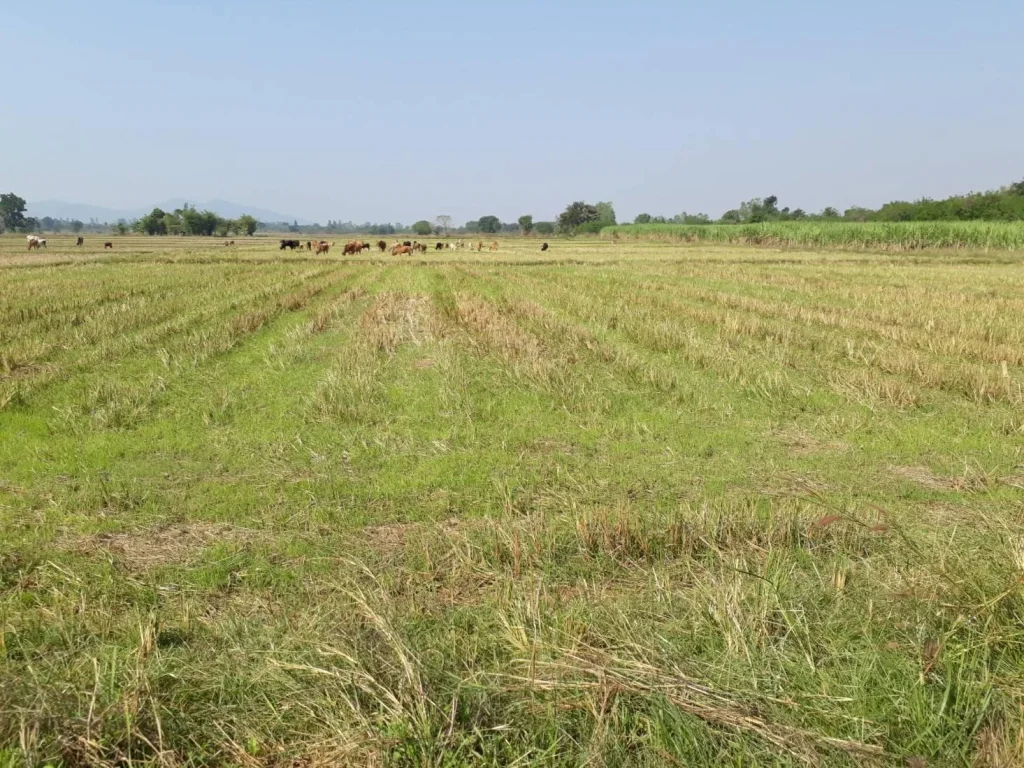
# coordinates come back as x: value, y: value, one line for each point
x: 578, y: 218
x: 879, y: 235
x: 188, y: 221
x: 1006, y: 204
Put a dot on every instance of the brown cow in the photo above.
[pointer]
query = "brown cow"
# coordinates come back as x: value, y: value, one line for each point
x: 382, y: 245
x: 494, y: 245
x: 81, y: 241
x: 309, y: 245
x: 108, y: 244
x: 401, y: 250
x: 322, y: 247
x: 479, y: 246
x: 544, y: 247
x: 352, y: 248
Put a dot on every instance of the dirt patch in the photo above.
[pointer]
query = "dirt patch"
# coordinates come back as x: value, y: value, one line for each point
x: 971, y: 480
x: 792, y: 484
x: 390, y: 537
x: 802, y: 443
x: 156, y: 547
x: 395, y: 319
x: 924, y: 477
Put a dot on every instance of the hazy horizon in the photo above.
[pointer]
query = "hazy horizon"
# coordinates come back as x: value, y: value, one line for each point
x: 392, y: 113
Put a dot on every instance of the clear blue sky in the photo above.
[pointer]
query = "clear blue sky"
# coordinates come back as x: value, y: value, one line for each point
x: 399, y: 110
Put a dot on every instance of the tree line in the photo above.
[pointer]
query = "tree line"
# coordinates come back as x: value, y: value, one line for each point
x: 188, y: 221
x: 580, y: 217
x: 1004, y: 204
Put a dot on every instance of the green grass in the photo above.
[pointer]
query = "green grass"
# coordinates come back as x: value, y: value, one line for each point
x: 886, y: 236
x: 624, y: 505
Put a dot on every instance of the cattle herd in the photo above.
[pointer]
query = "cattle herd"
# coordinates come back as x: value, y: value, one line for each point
x: 403, y: 248
x: 322, y: 246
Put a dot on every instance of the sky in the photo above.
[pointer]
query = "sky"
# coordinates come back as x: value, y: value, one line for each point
x: 396, y: 110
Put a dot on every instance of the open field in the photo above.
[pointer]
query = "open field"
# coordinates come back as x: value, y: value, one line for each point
x: 877, y: 236
x: 632, y: 505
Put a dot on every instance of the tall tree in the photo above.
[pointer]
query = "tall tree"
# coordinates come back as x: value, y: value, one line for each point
x: 605, y: 213
x: 489, y: 224
x: 76, y: 226
x: 526, y: 224
x: 247, y: 224
x: 446, y: 222
x: 422, y: 228
x: 642, y: 218
x: 576, y: 214
x: 12, y: 212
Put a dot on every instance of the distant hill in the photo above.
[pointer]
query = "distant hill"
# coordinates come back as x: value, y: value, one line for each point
x: 59, y: 209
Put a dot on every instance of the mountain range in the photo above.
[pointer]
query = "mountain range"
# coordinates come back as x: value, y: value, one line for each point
x: 59, y: 209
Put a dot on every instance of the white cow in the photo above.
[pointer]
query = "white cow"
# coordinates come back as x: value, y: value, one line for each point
x: 35, y: 242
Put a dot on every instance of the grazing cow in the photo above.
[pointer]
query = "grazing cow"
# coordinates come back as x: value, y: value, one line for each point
x: 494, y: 245
x: 322, y: 247
x: 108, y: 244
x: 407, y: 244
x: 439, y: 247
x: 226, y: 243
x: 421, y: 247
x: 352, y: 248
x: 382, y: 245
x: 479, y: 246
x: 309, y: 245
x: 292, y: 244
x: 231, y: 242
x: 401, y: 250
x: 544, y: 247
x: 33, y: 241
x: 81, y: 241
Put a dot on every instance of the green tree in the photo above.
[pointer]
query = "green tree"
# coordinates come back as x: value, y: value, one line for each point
x: 605, y: 214
x: 76, y: 226
x: 489, y: 224
x: 12, y: 212
x: 544, y: 228
x: 153, y: 223
x: 121, y: 227
x: 247, y: 224
x: 526, y: 224
x: 732, y: 217
x: 576, y: 215
x: 642, y: 218
x: 830, y: 213
x: 223, y: 226
x: 422, y: 228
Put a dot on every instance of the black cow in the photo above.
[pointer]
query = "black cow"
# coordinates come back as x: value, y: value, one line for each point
x: 439, y: 247
x: 544, y: 247
x: 81, y: 241
x: 293, y: 244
